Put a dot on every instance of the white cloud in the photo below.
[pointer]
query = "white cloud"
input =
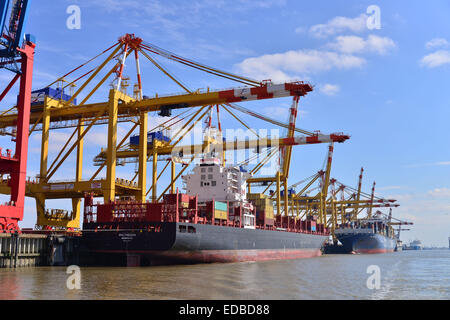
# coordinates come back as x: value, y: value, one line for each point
x: 193, y: 6
x: 379, y: 45
x: 300, y: 30
x: 97, y: 139
x: 287, y: 66
x: 348, y: 44
x: 339, y: 24
x: 260, y: 4
x: 433, y: 164
x: 437, y: 42
x: 440, y: 192
x: 280, y: 112
x: 330, y: 89
x: 436, y: 59
x: 56, y: 141
x: 174, y: 19
x: 42, y: 78
x: 355, y: 44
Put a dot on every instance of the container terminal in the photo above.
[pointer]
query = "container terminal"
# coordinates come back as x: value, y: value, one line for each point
x: 217, y: 217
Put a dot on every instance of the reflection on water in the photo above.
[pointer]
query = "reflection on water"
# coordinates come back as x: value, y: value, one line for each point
x: 404, y: 275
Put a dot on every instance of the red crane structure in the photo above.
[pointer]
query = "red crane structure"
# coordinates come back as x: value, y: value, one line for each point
x: 16, y: 55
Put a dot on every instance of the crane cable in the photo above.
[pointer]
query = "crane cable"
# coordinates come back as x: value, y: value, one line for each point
x: 82, y: 65
x: 165, y: 71
x: 255, y: 156
x: 188, y: 62
x: 302, y: 181
x: 127, y: 146
x: 241, y: 121
x: 362, y: 192
x: 267, y: 119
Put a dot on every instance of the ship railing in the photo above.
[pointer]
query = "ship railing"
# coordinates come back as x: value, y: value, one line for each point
x: 137, y: 212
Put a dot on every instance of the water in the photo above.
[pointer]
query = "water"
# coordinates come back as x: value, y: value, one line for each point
x: 404, y: 275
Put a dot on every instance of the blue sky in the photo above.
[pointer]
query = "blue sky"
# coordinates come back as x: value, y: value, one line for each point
x: 385, y: 87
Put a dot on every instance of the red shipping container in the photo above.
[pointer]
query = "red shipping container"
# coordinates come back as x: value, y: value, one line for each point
x: 104, y: 213
x: 154, y: 212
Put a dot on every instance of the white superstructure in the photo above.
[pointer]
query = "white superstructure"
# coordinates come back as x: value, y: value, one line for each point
x: 210, y: 180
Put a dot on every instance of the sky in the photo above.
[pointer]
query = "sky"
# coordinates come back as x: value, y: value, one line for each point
x: 384, y: 82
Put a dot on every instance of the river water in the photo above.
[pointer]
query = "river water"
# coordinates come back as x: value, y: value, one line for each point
x: 402, y: 275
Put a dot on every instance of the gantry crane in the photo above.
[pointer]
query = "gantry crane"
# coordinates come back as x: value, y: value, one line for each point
x: 161, y: 149
x: 16, y: 55
x: 349, y: 209
x: 315, y: 204
x: 285, y: 159
x: 331, y: 209
x: 63, y: 111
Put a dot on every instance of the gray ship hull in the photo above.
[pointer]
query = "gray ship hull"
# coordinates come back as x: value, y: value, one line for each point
x: 185, y: 243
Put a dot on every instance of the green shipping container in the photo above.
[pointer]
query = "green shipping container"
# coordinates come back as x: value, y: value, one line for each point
x: 221, y: 206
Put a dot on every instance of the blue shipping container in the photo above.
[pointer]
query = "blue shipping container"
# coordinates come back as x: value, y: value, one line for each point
x: 290, y: 192
x: 38, y: 96
x: 158, y: 135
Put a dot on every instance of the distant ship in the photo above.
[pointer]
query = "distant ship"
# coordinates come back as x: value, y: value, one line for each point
x: 413, y: 245
x: 371, y: 235
x: 399, y: 245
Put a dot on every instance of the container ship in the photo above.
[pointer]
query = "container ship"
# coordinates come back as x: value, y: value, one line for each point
x: 214, y: 220
x: 413, y: 245
x: 370, y: 235
x: 399, y: 245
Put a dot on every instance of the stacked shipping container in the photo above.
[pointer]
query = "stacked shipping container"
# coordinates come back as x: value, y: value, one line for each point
x: 264, y: 209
